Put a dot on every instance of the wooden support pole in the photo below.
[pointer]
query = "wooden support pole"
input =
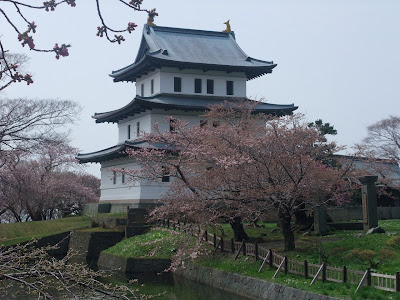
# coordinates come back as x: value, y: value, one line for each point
x: 286, y: 265
x: 206, y: 235
x: 168, y: 223
x: 222, y: 244
x: 264, y: 261
x: 240, y: 248
x: 368, y: 277
x: 344, y: 274
x: 256, y: 250
x: 232, y: 245
x: 305, y: 269
x: 362, y: 281
x: 323, y: 272
x: 244, y: 247
x: 317, y: 274
x: 271, y: 261
x: 397, y: 282
x: 280, y: 267
x: 215, y: 240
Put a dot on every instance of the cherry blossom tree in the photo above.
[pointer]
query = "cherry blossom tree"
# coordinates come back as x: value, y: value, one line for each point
x: 26, y: 270
x: 45, y: 185
x: 9, y: 70
x: 244, y: 166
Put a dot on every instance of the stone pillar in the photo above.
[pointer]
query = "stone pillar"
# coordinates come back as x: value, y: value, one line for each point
x: 136, y: 222
x: 320, y: 221
x: 369, y: 202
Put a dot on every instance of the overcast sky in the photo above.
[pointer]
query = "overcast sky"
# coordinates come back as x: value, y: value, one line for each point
x: 337, y: 60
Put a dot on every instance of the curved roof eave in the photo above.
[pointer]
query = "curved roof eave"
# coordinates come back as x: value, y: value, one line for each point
x: 149, y: 61
x: 102, y: 155
x: 171, y: 101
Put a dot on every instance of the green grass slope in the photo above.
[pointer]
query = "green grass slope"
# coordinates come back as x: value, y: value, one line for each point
x: 13, y: 233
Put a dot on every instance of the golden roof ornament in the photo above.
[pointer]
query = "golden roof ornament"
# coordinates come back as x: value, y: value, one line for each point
x: 228, y: 27
x: 150, y: 18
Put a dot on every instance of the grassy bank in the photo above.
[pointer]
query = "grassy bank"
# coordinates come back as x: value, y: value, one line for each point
x: 157, y: 244
x: 14, y: 233
x: 247, y: 266
x: 161, y: 244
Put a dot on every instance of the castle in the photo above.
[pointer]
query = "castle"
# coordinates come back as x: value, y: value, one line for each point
x: 178, y: 73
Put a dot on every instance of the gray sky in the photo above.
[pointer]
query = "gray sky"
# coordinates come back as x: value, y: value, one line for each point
x: 337, y: 60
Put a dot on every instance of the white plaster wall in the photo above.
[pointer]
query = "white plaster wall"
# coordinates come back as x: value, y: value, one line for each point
x: 131, y: 191
x: 160, y: 117
x: 146, y: 80
x: 145, y: 126
x: 188, y: 76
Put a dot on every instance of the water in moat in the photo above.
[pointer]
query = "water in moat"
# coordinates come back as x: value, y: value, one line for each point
x: 162, y: 287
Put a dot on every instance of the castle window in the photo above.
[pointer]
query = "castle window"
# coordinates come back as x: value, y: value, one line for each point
x: 137, y: 129
x: 177, y: 84
x: 165, y: 174
x: 114, y: 177
x: 152, y: 86
x: 229, y: 87
x: 210, y: 86
x: 129, y: 132
x: 142, y: 90
x: 216, y: 123
x: 197, y: 86
x: 172, y: 125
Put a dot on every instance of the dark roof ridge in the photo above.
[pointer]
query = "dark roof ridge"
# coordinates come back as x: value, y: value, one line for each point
x: 188, y: 30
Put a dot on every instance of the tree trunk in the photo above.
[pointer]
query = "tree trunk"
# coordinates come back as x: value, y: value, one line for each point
x: 284, y: 220
x: 238, y: 229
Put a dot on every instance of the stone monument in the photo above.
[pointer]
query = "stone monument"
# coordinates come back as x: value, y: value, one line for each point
x: 369, y: 204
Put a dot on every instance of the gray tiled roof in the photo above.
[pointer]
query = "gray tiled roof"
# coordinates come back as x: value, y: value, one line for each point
x: 189, y: 48
x: 101, y: 155
x: 185, y: 102
x: 118, y: 151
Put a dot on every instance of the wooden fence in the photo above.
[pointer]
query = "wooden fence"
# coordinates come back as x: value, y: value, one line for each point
x: 304, y: 268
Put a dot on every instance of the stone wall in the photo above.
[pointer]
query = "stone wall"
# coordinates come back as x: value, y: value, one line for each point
x: 88, y: 245
x: 252, y: 288
x: 355, y: 213
x: 132, y: 265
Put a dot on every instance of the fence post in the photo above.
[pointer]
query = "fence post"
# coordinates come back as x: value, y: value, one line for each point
x: 233, y: 245
x: 256, y: 250
x: 369, y: 277
x: 179, y: 226
x: 305, y: 269
x: 323, y: 272
x: 397, y: 282
x: 286, y: 265
x: 244, y: 247
x: 215, y: 241
x: 271, y: 261
x: 206, y: 235
x: 344, y: 274
x: 167, y: 223
x: 222, y: 244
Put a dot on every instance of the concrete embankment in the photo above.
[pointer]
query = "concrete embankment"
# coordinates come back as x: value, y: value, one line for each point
x: 88, y: 245
x: 132, y: 265
x: 246, y: 286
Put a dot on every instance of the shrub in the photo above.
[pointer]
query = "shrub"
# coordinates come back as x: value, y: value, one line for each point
x: 371, y: 258
x: 394, y: 242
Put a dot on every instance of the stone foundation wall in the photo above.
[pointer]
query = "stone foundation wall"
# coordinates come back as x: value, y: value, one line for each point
x: 132, y: 265
x: 246, y: 286
x: 88, y: 245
